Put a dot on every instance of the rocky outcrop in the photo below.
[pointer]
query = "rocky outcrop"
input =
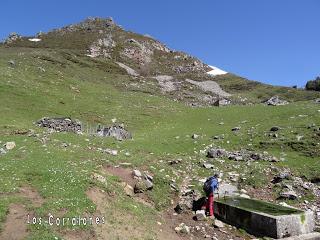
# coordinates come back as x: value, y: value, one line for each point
x: 102, y: 47
x: 116, y: 131
x: 210, y: 86
x: 12, y: 38
x: 166, y: 83
x: 60, y: 124
x: 276, y: 101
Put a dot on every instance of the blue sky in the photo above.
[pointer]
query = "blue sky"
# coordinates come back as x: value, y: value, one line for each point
x: 273, y: 41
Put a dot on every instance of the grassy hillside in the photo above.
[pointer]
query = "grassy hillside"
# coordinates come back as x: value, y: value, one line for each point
x: 47, y: 81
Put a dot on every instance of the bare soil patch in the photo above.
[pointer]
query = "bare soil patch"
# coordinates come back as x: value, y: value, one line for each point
x: 15, y: 227
x: 31, y: 194
x: 125, y: 174
x: 78, y: 234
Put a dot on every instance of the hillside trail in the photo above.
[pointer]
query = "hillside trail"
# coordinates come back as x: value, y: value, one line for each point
x: 16, y: 223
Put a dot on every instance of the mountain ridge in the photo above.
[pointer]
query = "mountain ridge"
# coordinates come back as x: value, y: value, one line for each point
x: 103, y: 40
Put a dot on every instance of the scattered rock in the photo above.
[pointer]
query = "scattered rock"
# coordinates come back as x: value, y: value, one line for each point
x: 244, y: 196
x: 2, y: 151
x: 280, y: 177
x: 242, y: 155
x: 143, y: 185
x: 176, y: 161
x: 291, y: 195
x: 276, y: 101
x: 128, y: 189
x: 284, y: 204
x: 208, y: 166
x: 201, y: 215
x: 137, y: 173
x: 148, y: 184
x: 140, y: 187
x: 195, y: 136
x: 216, y: 152
x: 60, y: 124
x: 235, y: 129
x: 116, y: 131
x: 41, y: 69
x: 218, y: 224
x: 10, y: 145
x: 12, y: 62
x: 275, y: 129
x: 218, y: 137
x: 182, y: 228
x: 148, y: 177
x: 243, y: 191
x: 187, y: 201
x: 99, y: 178
x: 110, y: 151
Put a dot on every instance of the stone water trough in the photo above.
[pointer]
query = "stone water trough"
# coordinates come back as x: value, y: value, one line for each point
x: 264, y: 219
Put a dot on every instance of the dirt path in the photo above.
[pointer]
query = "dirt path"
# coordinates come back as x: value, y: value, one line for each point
x: 15, y: 227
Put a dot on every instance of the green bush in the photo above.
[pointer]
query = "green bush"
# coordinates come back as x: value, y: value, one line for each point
x: 313, y: 84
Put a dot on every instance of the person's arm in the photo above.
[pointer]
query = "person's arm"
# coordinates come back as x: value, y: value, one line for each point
x: 214, y: 185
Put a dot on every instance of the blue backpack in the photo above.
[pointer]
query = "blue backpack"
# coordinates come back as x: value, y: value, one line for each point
x: 207, y: 185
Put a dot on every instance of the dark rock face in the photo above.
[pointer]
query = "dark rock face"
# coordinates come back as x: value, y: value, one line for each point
x: 116, y: 131
x: 60, y: 124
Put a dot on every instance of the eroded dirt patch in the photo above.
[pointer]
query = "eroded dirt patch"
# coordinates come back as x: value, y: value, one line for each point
x: 124, y: 174
x: 77, y: 234
x: 116, y: 226
x: 15, y: 227
x: 31, y: 194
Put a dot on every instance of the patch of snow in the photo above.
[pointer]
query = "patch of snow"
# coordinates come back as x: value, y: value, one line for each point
x: 34, y: 39
x: 216, y: 71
